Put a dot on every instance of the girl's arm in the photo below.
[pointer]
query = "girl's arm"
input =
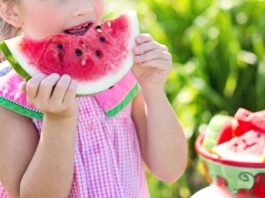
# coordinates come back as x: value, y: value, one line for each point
x: 45, y: 170
x: 50, y: 171
x: 163, y: 143
x: 18, y: 142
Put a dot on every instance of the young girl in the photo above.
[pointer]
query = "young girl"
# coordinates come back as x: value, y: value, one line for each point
x: 78, y: 149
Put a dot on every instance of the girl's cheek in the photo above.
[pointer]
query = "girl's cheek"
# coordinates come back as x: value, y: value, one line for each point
x: 42, y: 23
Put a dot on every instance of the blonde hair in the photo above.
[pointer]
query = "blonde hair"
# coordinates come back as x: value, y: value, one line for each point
x: 6, y: 30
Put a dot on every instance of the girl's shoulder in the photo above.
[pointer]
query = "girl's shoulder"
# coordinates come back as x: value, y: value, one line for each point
x: 10, y: 95
x: 5, y: 80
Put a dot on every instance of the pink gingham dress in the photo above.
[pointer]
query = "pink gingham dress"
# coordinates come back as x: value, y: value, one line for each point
x: 108, y: 162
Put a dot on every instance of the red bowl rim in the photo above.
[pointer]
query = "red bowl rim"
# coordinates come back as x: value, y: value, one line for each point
x: 210, y: 156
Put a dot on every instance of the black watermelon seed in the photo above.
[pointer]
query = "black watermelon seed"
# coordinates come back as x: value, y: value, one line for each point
x: 98, y: 27
x: 98, y: 53
x: 78, y: 52
x: 102, y: 39
x: 60, y: 46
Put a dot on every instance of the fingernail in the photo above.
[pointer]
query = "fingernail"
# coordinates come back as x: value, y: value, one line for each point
x: 55, y: 75
x: 41, y: 75
x: 66, y: 76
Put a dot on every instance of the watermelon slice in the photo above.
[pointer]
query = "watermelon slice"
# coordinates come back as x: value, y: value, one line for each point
x: 263, y: 156
x: 214, y: 129
x: 249, y: 147
x: 97, y: 59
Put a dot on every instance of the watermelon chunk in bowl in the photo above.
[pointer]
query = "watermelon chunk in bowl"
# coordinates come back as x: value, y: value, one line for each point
x: 97, y: 59
x: 223, y: 128
x: 248, y: 147
x: 248, y: 120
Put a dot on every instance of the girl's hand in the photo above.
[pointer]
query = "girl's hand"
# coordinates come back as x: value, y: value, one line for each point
x: 152, y: 63
x: 53, y: 95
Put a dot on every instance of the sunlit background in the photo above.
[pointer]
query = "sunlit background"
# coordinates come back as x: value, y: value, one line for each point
x: 219, y: 65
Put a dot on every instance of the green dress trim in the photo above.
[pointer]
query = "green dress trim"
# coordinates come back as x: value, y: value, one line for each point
x: 124, y: 102
x: 9, y: 104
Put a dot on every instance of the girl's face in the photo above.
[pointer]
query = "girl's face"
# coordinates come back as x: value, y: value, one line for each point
x: 41, y: 18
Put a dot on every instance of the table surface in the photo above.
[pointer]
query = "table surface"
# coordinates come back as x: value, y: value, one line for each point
x: 210, y: 192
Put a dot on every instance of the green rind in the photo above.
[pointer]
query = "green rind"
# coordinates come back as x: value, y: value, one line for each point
x: 124, y: 102
x: 20, y: 109
x: 213, y: 130
x: 12, y: 60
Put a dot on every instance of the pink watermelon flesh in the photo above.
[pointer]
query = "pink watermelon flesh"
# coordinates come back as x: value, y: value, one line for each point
x: 228, y: 131
x: 260, y: 113
x: 248, y: 121
x: 247, y: 148
x: 89, y: 57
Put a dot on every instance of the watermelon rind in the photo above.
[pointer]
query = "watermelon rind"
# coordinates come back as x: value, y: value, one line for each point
x: 12, y: 53
x: 13, y: 61
x: 213, y: 130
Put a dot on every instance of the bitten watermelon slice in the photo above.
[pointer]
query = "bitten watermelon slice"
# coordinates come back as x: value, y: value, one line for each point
x: 97, y: 59
x: 249, y: 147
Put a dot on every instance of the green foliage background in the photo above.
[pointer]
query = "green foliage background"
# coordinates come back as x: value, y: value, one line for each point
x: 219, y: 65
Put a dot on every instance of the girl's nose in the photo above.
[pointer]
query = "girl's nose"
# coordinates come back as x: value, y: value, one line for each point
x: 82, y: 10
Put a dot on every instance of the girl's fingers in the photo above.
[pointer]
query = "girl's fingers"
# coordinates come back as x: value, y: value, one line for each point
x: 22, y: 87
x: 32, y: 87
x: 60, y: 89
x: 157, y: 64
x: 152, y: 55
x: 143, y: 38
x: 46, y: 87
x: 70, y: 93
x: 148, y: 46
